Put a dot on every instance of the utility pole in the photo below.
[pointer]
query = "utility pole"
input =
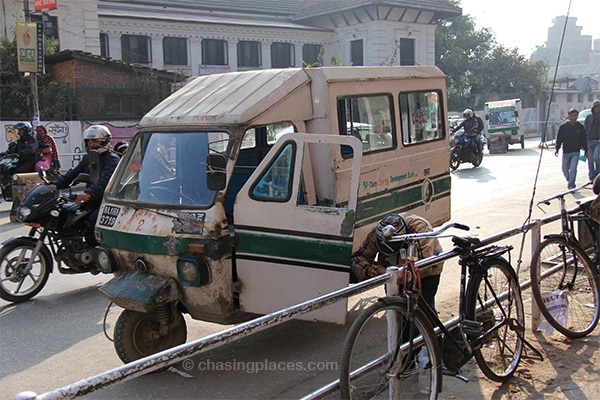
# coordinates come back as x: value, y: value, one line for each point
x: 35, y: 119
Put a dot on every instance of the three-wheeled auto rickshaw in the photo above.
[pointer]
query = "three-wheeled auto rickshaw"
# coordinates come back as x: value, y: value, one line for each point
x: 246, y: 192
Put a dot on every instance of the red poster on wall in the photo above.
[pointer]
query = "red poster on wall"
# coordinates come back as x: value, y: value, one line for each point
x: 45, y: 5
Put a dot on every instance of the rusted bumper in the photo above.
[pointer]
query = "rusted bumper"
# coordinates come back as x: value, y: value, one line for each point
x: 140, y: 291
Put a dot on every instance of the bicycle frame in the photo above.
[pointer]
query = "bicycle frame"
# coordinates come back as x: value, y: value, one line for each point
x: 470, y: 260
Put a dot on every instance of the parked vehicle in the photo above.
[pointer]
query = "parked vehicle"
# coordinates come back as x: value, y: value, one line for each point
x: 8, y: 163
x: 505, y: 123
x: 59, y: 232
x: 246, y: 192
x: 461, y: 152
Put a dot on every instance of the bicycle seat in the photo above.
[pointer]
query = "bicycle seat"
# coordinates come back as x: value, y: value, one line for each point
x: 466, y: 241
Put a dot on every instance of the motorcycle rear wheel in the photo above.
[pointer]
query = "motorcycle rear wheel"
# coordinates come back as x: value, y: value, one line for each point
x: 454, y: 160
x: 15, y: 285
x: 137, y: 334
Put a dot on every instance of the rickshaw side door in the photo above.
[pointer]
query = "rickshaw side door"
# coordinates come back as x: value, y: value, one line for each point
x: 294, y: 225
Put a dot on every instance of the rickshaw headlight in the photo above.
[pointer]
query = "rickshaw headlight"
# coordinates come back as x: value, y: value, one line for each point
x: 192, y: 271
x: 104, y: 260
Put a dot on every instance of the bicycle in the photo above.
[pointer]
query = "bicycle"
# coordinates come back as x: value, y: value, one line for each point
x: 392, y: 348
x: 563, y: 276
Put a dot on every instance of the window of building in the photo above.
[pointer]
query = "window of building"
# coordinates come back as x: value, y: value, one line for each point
x: 135, y: 49
x: 282, y: 55
x: 422, y: 117
x: 214, y: 52
x: 126, y: 105
x: 49, y: 22
x: 311, y: 53
x: 407, y: 51
x: 590, y: 97
x: 249, y: 54
x: 569, y: 97
x: 175, y: 51
x: 104, y: 46
x: 369, y: 118
x: 580, y: 97
x: 356, y: 52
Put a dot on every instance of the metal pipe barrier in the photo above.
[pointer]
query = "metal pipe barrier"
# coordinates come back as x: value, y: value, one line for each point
x: 179, y: 353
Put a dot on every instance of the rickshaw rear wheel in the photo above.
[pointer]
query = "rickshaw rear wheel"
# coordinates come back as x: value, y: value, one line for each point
x: 139, y: 335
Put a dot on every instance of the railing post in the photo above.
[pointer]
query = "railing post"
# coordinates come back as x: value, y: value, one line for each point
x: 536, y: 235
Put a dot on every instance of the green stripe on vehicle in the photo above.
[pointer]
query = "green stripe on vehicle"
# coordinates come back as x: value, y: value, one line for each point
x: 163, y: 245
x: 298, y: 248
x: 370, y: 210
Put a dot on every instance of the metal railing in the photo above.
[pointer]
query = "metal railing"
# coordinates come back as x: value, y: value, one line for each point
x: 176, y: 354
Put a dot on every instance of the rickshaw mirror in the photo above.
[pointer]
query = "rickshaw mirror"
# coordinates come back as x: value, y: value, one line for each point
x: 215, y: 171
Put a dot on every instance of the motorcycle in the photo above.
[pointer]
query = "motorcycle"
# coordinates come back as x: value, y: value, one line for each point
x: 59, y: 231
x: 460, y: 151
x: 8, y: 163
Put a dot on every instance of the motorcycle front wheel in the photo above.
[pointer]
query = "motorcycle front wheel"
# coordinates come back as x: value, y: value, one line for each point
x: 477, y: 159
x: 139, y: 335
x: 454, y: 160
x: 17, y: 282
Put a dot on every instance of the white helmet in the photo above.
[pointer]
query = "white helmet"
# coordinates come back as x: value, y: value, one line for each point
x: 98, y: 132
x: 468, y: 113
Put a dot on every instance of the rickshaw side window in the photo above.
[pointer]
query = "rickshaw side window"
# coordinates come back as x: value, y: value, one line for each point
x: 276, y: 183
x: 422, y: 117
x: 370, y: 119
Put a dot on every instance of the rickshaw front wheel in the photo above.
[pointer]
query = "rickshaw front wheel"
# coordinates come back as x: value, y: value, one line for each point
x: 139, y: 335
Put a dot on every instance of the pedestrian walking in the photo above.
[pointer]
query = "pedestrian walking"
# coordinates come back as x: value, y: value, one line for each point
x: 571, y: 137
x: 592, y: 129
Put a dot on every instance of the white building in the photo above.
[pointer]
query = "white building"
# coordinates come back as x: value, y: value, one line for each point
x: 204, y: 36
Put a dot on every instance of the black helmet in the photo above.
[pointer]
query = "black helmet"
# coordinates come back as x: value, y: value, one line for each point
x: 25, y: 126
x: 400, y: 228
x: 120, y: 148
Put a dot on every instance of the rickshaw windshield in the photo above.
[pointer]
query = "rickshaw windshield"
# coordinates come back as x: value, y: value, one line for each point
x: 168, y: 169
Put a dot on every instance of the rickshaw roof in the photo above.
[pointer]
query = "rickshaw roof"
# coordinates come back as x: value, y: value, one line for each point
x: 237, y: 98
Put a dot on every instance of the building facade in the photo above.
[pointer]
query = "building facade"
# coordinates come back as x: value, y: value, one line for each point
x: 196, y: 37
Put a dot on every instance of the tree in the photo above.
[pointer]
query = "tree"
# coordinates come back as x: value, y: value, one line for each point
x: 476, y: 65
x: 9, y: 69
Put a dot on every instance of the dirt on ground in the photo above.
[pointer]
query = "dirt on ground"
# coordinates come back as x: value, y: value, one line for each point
x: 570, y: 370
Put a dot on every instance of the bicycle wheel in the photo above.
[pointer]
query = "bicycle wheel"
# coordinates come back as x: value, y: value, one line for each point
x: 494, y: 300
x: 373, y: 367
x: 563, y: 269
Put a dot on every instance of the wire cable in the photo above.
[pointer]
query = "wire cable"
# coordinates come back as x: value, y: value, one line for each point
x: 544, y: 129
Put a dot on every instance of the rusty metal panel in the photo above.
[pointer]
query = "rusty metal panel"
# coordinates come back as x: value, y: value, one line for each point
x: 139, y: 291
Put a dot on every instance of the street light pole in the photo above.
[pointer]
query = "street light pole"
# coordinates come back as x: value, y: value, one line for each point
x: 35, y: 119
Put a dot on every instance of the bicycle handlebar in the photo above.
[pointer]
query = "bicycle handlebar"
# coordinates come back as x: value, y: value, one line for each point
x: 563, y: 194
x: 389, y: 232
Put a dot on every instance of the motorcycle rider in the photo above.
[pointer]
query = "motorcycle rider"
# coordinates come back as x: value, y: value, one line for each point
x: 96, y: 137
x: 25, y: 148
x: 471, y: 128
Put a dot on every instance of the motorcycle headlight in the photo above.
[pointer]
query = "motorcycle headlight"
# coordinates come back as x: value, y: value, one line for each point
x: 105, y: 260
x: 23, y: 213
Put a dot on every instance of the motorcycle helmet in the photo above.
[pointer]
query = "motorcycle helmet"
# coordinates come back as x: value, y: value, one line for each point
x: 97, y: 132
x: 25, y: 126
x: 468, y: 113
x: 120, y: 148
x: 400, y: 227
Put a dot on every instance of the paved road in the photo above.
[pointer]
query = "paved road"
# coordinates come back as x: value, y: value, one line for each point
x: 58, y: 337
